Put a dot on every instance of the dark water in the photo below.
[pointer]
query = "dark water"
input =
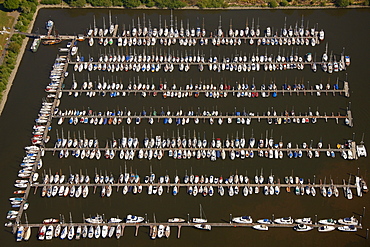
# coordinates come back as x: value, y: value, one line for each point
x: 343, y: 28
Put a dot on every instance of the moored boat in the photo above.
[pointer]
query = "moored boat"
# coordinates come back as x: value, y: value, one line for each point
x: 326, y: 228
x: 302, y: 228
x: 134, y: 219
x: 328, y: 222
x: 203, y: 227
x: 284, y: 220
x: 350, y: 228
x: 19, y: 235
x: 243, y: 219
x: 176, y: 220
x: 348, y: 221
x: 260, y: 227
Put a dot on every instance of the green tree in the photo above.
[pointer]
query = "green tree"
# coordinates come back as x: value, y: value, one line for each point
x: 11, y: 4
x: 273, y: 4
x: 77, y: 3
x: 105, y: 3
x: 14, y: 47
x: 131, y: 3
x: 341, y: 3
x: 148, y: 3
x: 116, y: 2
x: 284, y: 3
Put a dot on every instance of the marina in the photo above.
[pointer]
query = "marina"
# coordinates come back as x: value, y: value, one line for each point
x: 57, y: 132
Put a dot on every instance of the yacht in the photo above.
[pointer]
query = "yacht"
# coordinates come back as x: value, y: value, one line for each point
x: 134, y: 219
x: 203, y: 227
x: 243, y: 219
x: 302, y: 228
x: 326, y: 228
x: 328, y: 222
x: 284, y: 220
x: 348, y: 221
x: 350, y: 228
x: 260, y: 227
x: 95, y: 219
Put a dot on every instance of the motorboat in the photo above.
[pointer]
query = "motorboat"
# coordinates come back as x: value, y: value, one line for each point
x: 326, y: 228
x: 260, y: 227
x: 302, y: 228
x: 303, y: 221
x: 50, y: 221
x: 95, y: 219
x: 264, y: 221
x: 328, y: 222
x: 350, y: 228
x: 203, y: 227
x: 243, y: 219
x: 284, y: 220
x: 176, y: 220
x: 134, y: 219
x: 348, y: 221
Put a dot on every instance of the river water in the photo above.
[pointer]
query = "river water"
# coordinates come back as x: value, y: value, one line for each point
x: 343, y: 28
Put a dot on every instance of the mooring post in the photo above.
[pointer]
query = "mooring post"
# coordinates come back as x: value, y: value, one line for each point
x: 359, y: 222
x: 315, y: 219
x: 367, y: 233
x: 363, y: 212
x: 179, y: 231
x: 230, y: 218
x: 188, y: 218
x: 273, y: 217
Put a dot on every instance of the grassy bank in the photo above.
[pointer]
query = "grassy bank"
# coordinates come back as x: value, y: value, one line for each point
x: 176, y: 4
x: 6, y: 21
x: 11, y: 55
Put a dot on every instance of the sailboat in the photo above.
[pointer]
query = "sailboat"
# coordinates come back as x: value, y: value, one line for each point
x: 26, y: 231
x: 200, y: 219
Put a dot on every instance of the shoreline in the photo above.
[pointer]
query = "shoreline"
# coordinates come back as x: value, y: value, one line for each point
x: 61, y: 6
x: 143, y: 7
x: 17, y: 63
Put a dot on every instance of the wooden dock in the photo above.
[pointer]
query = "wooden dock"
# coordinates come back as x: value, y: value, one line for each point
x: 185, y: 224
x: 276, y: 119
x: 280, y: 185
x: 193, y: 92
x: 254, y: 149
x: 205, y: 63
x: 207, y: 40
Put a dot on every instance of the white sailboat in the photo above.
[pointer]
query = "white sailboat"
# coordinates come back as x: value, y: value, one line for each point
x: 200, y: 219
